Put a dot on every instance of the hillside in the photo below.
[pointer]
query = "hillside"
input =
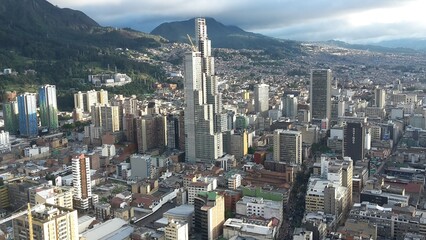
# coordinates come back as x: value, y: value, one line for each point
x: 63, y: 46
x: 223, y: 36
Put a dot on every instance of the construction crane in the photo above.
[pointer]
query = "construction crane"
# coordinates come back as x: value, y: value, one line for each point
x: 194, y: 49
x: 30, y: 219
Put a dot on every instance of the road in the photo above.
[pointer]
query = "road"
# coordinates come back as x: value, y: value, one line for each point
x: 149, y: 221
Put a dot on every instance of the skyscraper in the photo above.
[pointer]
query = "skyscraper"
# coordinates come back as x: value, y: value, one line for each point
x: 354, y: 140
x: 107, y: 117
x: 380, y: 97
x: 82, y: 182
x: 288, y: 146
x: 48, y: 107
x: 320, y: 94
x: 10, y: 115
x: 261, y: 98
x: 203, y: 102
x: 27, y: 108
x: 289, y: 105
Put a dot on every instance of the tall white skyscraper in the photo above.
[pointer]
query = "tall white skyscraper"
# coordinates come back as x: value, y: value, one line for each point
x: 261, y: 98
x: 82, y: 182
x: 203, y: 102
x: 380, y: 97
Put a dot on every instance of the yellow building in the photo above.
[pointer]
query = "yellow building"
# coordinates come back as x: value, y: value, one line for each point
x: 176, y: 230
x: 59, y: 196
x: 48, y: 222
x: 4, y: 197
x: 209, y: 214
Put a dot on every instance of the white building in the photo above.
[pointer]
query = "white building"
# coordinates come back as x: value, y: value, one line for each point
x: 203, y: 184
x: 237, y: 227
x: 36, y: 151
x: 82, y: 182
x: 261, y: 98
x: 234, y: 181
x: 176, y: 230
x: 4, y: 142
x: 256, y: 206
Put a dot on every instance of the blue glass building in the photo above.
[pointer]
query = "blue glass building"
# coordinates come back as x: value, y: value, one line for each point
x: 27, y: 107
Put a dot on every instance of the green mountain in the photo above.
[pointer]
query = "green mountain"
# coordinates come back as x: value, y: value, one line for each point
x: 223, y: 36
x: 63, y: 46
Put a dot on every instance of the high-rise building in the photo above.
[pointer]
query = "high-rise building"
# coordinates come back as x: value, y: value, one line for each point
x: 10, y: 116
x: 354, y: 140
x: 261, y: 98
x: 102, y: 96
x: 48, y: 222
x: 203, y: 102
x: 176, y: 131
x: 380, y: 97
x: 289, y: 106
x: 209, y: 215
x: 288, y: 146
x: 81, y: 182
x: 48, y: 107
x: 151, y: 132
x: 91, y: 99
x: 106, y: 116
x: 27, y: 108
x: 79, y: 101
x: 320, y: 94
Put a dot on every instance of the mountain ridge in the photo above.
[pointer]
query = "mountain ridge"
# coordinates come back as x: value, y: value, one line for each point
x: 224, y: 36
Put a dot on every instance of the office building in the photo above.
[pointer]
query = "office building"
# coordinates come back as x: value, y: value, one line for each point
x: 261, y: 98
x: 10, y: 116
x: 48, y: 107
x: 82, y: 182
x: 176, y: 131
x: 27, y: 108
x: 289, y: 106
x: 202, y: 100
x: 320, y: 94
x: 176, y: 230
x: 209, y: 215
x: 48, y: 222
x: 354, y: 140
x: 380, y: 97
x: 288, y: 146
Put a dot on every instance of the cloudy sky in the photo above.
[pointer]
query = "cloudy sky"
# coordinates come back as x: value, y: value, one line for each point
x: 355, y: 21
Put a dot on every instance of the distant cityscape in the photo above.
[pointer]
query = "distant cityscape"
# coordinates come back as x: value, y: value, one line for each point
x: 229, y: 148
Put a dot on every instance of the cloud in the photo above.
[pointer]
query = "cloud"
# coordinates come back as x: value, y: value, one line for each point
x: 292, y: 19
